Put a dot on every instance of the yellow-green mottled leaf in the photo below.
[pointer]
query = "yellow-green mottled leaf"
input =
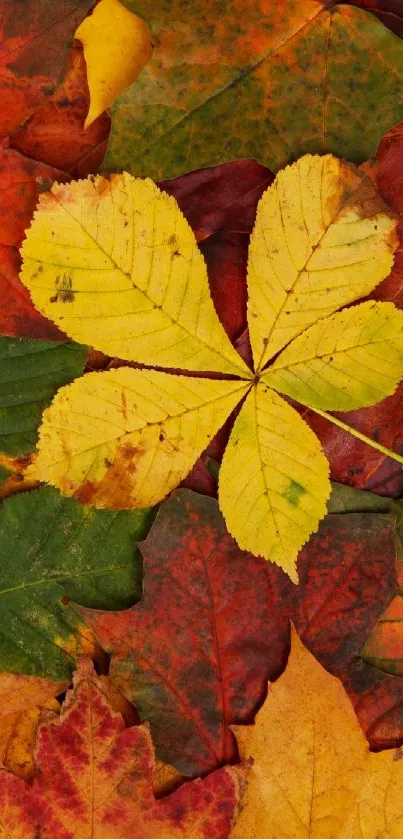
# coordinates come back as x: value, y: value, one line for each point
x: 270, y: 79
x: 124, y: 438
x: 349, y: 360
x: 115, y: 264
x: 323, y: 238
x: 273, y: 482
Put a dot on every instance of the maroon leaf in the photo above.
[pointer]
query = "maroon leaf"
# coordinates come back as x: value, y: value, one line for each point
x: 195, y: 655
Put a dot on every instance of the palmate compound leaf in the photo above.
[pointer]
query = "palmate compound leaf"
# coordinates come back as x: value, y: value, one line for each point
x: 127, y: 437
x: 95, y: 779
x: 312, y: 773
x: 115, y: 263
x: 323, y: 238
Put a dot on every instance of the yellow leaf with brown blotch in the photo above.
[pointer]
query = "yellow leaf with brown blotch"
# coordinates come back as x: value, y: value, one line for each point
x: 312, y: 773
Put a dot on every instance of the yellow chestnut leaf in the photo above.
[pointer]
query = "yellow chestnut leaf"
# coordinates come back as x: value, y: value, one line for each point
x: 117, y: 45
x: 274, y: 480
x: 322, y: 238
x: 312, y: 772
x: 349, y: 360
x: 125, y: 438
x: 115, y: 263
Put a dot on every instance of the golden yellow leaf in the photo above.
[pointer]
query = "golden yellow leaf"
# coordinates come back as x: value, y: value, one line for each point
x: 349, y: 360
x: 323, y: 238
x: 116, y: 265
x: 117, y: 45
x: 124, y: 438
x: 313, y: 774
x: 273, y: 482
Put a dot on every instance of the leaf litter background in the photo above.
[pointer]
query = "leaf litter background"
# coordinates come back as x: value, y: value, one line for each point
x: 213, y: 625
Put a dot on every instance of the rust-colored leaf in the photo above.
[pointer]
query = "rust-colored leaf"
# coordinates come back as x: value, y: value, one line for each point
x: 21, y: 180
x: 194, y: 655
x: 36, y: 36
x: 95, y: 779
x: 55, y: 133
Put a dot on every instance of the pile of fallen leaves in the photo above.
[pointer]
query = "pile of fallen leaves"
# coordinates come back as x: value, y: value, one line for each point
x: 201, y: 419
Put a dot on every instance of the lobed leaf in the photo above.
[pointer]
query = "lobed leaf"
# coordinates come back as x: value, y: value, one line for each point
x: 95, y: 778
x: 313, y: 773
x: 116, y: 265
x: 323, y: 238
x: 194, y: 655
x: 349, y: 360
x: 54, y: 549
x: 273, y: 482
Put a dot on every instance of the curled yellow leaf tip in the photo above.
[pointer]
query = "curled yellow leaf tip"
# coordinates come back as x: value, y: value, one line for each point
x: 117, y: 45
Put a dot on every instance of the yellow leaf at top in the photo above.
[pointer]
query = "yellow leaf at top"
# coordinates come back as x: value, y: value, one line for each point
x: 313, y: 776
x: 117, y: 45
x: 125, y: 438
x: 323, y: 238
x: 349, y: 360
x: 273, y: 483
x: 115, y: 264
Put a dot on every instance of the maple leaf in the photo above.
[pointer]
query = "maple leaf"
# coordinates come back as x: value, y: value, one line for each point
x: 149, y: 427
x: 284, y: 68
x: 201, y: 590
x: 23, y: 701
x: 95, y: 779
x: 312, y: 772
x: 118, y: 42
x: 54, y: 549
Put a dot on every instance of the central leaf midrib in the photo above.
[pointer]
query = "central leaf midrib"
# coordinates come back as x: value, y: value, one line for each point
x: 332, y: 353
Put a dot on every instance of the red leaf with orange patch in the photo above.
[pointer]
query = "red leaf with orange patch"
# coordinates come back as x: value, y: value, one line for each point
x: 36, y: 36
x: 195, y: 654
x: 55, y: 133
x: 95, y: 778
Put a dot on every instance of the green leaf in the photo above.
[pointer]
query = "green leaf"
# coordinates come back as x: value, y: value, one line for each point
x: 251, y: 79
x: 30, y: 374
x: 52, y: 550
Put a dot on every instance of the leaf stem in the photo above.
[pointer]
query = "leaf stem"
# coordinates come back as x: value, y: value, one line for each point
x: 355, y: 433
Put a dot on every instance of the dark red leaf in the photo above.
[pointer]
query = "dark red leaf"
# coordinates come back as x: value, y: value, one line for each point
x: 347, y: 577
x: 195, y: 655
x: 390, y: 12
